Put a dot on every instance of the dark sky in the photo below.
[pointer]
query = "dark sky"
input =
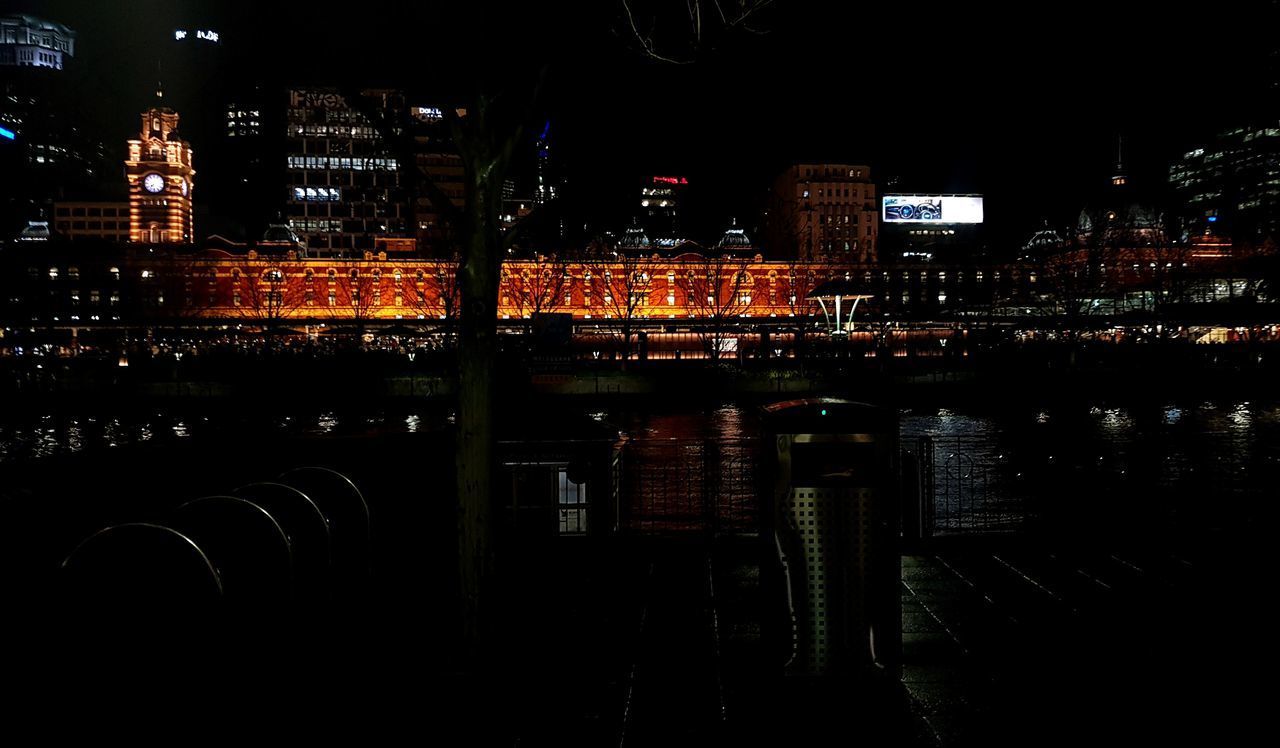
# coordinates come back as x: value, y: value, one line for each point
x: 1022, y: 103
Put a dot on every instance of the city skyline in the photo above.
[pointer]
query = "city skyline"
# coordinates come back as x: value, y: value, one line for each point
x: 645, y: 373
x: 934, y: 108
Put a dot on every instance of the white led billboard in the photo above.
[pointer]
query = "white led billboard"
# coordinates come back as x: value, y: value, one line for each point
x: 932, y: 209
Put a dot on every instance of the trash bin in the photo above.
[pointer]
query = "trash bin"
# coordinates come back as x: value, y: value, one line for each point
x: 832, y: 512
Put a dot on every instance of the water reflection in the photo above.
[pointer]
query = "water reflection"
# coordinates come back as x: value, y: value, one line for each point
x: 1148, y: 465
x: 1113, y: 464
x: 1240, y: 416
x: 326, y: 423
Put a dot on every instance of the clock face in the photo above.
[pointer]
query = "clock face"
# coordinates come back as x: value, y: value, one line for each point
x: 153, y: 183
x: 184, y: 188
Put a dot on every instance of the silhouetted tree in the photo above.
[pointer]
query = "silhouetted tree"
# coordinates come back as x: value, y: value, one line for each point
x: 621, y: 285
x: 264, y: 293
x: 485, y: 130
x: 716, y: 291
x: 536, y: 286
x: 436, y: 294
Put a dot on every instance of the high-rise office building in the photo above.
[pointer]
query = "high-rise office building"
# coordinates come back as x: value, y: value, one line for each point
x: 26, y: 41
x: 660, y: 198
x: 345, y: 188
x: 1230, y: 187
x: 547, y: 188
x: 824, y: 211
x: 45, y: 153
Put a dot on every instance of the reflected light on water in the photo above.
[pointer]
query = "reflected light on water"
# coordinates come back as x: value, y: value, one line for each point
x: 113, y: 433
x: 1241, y: 416
x: 326, y: 423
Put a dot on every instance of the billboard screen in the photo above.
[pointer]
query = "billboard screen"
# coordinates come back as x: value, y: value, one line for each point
x: 932, y: 209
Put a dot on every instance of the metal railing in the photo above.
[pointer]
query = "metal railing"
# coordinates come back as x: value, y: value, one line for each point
x: 681, y: 485
x: 965, y: 486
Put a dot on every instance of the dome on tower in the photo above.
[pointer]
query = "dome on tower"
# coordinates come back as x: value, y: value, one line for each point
x: 734, y: 238
x: 634, y: 238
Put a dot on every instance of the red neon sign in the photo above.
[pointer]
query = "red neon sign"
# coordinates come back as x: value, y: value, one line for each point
x: 670, y: 180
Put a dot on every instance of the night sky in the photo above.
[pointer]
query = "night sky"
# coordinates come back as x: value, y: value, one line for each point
x: 1021, y: 105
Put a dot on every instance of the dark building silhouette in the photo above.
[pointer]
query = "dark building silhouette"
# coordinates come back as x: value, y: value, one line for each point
x: 1230, y: 187
x: 824, y: 211
x: 660, y: 199
x: 46, y: 153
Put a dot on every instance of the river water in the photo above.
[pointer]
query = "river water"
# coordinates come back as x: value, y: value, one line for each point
x: 989, y: 465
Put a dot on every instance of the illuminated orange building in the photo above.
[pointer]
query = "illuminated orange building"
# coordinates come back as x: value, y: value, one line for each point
x: 639, y: 290
x: 160, y: 173
x: 219, y: 285
x: 58, y: 283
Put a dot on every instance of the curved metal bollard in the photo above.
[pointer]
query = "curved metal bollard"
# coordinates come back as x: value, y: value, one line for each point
x: 349, y: 522
x: 139, y: 567
x: 307, y: 530
x: 246, y: 545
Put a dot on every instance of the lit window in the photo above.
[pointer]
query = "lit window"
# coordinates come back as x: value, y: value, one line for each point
x: 572, y: 504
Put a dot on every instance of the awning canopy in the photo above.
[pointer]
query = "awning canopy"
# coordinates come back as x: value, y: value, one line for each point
x: 839, y: 294
x: 828, y: 291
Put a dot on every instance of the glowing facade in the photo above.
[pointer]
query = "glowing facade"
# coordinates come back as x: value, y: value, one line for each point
x: 160, y: 174
x: 26, y: 41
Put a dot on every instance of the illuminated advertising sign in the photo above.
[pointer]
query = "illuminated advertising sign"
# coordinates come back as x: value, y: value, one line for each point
x: 316, y: 100
x: 670, y: 180
x: 932, y: 209
x: 204, y: 34
x: 7, y: 134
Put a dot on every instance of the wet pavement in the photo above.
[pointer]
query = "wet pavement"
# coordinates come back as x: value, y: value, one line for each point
x: 1012, y: 642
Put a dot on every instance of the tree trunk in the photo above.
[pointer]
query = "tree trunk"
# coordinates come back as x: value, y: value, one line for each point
x: 626, y: 342
x: 477, y: 349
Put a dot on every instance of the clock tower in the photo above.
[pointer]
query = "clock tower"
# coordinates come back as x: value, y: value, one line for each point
x: 160, y: 181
